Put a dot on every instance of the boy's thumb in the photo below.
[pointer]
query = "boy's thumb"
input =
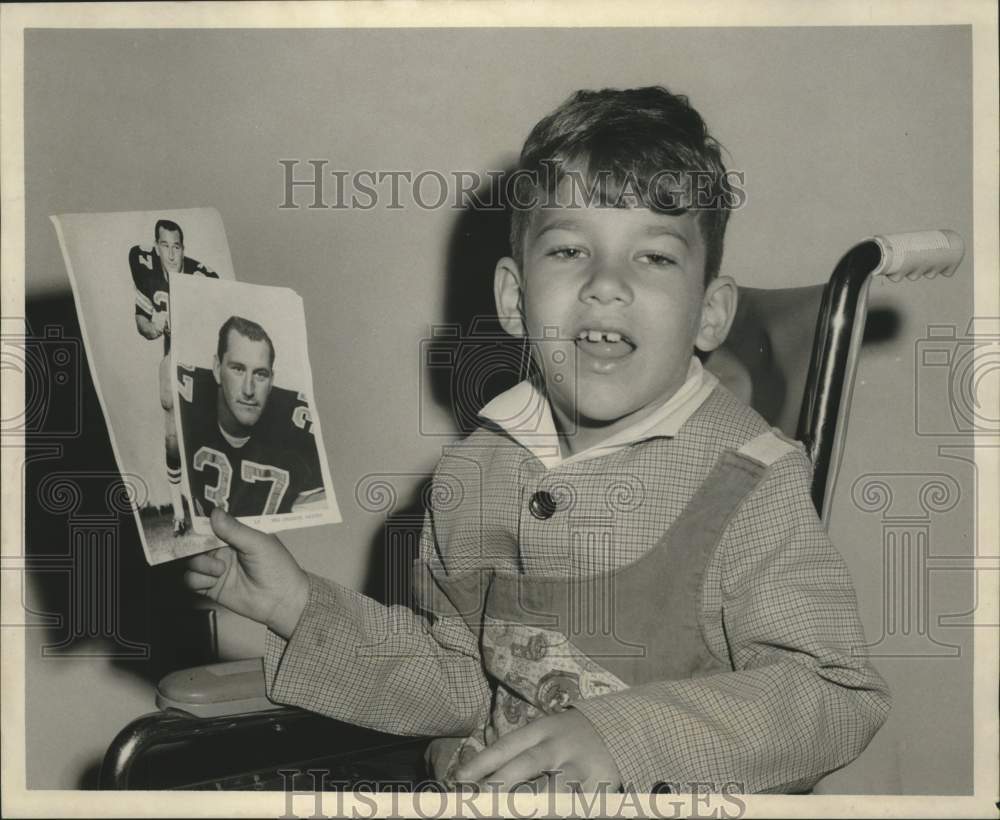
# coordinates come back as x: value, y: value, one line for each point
x: 233, y: 532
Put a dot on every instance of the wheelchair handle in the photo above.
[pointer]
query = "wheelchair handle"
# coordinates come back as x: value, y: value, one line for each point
x: 918, y: 254
x: 841, y: 324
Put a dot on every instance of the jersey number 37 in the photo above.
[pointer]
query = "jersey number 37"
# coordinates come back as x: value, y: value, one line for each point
x: 250, y: 473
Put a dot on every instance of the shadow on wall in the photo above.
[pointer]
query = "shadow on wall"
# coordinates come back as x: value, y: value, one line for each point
x: 469, y: 360
x: 93, y: 594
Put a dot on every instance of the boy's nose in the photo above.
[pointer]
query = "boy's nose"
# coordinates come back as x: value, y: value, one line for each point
x: 607, y: 284
x: 248, y: 386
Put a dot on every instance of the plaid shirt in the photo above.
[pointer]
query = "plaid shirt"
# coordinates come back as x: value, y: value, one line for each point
x: 776, y: 603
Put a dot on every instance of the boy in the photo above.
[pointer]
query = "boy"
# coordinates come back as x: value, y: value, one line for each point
x: 634, y: 590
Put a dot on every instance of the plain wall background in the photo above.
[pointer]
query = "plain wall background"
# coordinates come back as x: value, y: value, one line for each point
x: 841, y: 133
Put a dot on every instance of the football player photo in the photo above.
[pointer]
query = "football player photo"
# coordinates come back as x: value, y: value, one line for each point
x: 249, y: 436
x: 150, y: 267
x: 120, y: 266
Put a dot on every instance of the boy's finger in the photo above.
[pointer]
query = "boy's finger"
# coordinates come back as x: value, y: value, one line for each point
x: 198, y: 581
x: 493, y: 757
x: 525, y: 767
x: 207, y: 564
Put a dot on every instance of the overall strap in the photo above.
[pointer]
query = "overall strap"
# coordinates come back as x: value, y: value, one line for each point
x: 653, y: 604
x: 768, y: 447
x: 643, y: 619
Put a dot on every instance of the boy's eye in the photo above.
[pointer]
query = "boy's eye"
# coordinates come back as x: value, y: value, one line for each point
x: 566, y: 253
x: 659, y: 259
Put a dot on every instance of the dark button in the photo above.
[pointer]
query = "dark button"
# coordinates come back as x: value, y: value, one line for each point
x: 542, y: 505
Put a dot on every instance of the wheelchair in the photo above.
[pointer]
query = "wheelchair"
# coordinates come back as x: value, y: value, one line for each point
x: 792, y: 355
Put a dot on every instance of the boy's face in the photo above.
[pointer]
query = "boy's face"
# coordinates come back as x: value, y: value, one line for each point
x: 625, y: 288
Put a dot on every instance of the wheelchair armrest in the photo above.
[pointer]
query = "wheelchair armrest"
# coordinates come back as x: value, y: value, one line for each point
x: 218, y: 689
x: 146, y: 733
x: 171, y: 749
x: 217, y: 729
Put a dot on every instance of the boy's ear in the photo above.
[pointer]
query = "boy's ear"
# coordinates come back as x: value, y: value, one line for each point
x: 718, y: 309
x: 217, y: 369
x: 508, y: 294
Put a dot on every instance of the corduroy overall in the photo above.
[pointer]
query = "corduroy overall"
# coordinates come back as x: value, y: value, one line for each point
x: 550, y: 641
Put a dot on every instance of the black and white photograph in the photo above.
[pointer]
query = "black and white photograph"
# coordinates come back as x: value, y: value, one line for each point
x: 119, y: 265
x: 247, y: 432
x: 584, y: 410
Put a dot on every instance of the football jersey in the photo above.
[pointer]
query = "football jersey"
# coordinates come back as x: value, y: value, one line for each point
x: 264, y: 475
x: 152, y: 289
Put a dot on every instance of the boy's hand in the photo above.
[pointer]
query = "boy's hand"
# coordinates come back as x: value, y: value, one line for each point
x: 255, y: 575
x: 559, y: 752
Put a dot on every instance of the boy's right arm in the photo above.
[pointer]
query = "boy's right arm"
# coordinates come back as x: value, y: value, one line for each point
x: 334, y: 651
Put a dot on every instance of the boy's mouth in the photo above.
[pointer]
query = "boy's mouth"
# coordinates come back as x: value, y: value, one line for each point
x: 604, y: 344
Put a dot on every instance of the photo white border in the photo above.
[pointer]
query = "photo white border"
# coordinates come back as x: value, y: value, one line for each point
x: 100, y: 366
x: 250, y: 301
x: 14, y: 19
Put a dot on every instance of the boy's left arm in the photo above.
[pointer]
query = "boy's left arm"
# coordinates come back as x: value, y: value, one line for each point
x: 802, y: 701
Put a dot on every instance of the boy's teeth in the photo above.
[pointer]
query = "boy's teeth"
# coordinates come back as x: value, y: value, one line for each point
x: 598, y: 335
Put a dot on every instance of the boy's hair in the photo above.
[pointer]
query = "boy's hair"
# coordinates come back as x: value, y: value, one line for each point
x: 641, y: 146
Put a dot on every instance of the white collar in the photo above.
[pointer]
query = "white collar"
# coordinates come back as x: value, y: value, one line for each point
x: 523, y: 413
x: 234, y: 441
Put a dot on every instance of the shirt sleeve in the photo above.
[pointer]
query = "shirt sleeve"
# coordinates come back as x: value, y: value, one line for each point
x: 391, y: 668
x: 779, y: 608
